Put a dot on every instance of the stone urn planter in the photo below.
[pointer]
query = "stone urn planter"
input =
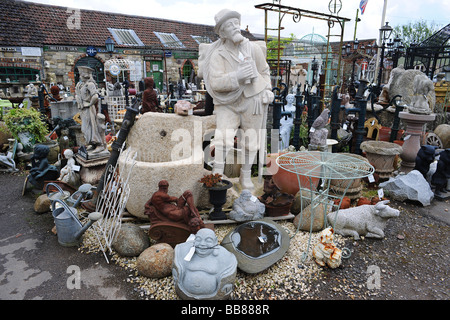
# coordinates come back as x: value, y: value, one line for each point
x: 218, y: 197
x: 414, y: 130
x: 381, y: 155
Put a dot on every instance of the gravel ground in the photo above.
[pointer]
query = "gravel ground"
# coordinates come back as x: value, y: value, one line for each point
x: 411, y: 262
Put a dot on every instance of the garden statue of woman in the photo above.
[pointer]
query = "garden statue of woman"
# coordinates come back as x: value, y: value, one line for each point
x: 86, y: 94
x: 287, y: 122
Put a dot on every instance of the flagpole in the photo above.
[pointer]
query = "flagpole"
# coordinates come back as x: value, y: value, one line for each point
x: 379, y: 42
x: 356, y: 23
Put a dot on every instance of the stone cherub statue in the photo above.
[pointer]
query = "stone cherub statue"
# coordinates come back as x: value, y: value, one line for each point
x: 41, y: 170
x: 68, y: 173
x: 247, y: 207
x: 237, y: 77
x: 203, y: 269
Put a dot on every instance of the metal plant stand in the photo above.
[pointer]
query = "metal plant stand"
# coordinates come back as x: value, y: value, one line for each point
x: 324, y: 178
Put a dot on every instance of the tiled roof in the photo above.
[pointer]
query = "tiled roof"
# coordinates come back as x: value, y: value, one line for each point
x: 30, y: 24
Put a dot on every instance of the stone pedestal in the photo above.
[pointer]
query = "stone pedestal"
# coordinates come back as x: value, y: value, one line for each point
x: 91, y: 170
x: 414, y: 130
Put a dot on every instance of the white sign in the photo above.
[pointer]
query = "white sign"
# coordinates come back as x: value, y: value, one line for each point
x: 114, y: 69
x: 136, y: 71
x: 31, y: 51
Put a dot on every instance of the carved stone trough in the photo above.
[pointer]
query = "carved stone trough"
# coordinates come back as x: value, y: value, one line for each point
x: 169, y: 147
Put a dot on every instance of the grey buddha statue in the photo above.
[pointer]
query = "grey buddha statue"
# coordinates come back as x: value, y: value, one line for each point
x: 203, y: 269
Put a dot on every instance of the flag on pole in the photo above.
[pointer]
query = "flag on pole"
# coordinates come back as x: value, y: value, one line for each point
x: 362, y: 5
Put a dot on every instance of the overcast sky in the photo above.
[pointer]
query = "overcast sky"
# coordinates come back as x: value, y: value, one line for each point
x: 398, y: 12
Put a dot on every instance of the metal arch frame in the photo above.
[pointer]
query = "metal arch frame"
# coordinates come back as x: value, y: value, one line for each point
x: 297, y: 15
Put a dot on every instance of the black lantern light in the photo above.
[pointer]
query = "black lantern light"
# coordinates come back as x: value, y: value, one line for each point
x: 109, y: 44
x: 385, y: 34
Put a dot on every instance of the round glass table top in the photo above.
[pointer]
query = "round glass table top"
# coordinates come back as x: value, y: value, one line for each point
x: 325, y: 165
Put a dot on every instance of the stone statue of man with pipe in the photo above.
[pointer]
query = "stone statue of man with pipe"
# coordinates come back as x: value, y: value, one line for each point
x: 236, y: 75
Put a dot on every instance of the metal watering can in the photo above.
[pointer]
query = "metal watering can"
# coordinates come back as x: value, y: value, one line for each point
x: 68, y: 227
x: 60, y: 194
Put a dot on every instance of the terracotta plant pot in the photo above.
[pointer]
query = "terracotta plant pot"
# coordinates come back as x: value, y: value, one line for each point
x: 385, y: 134
x: 277, y: 211
x: 285, y: 180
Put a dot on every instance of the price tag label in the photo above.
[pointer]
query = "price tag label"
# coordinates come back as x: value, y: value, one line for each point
x: 344, y: 126
x: 189, y: 255
x: 312, y: 130
x: 380, y: 193
x: 371, y: 178
x: 76, y: 168
x: 253, y: 198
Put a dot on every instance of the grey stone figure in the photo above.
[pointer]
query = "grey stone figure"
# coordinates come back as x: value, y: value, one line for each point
x: 86, y: 94
x: 247, y: 207
x: 318, y: 133
x: 202, y: 269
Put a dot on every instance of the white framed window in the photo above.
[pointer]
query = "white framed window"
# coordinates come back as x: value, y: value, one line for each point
x: 201, y: 39
x: 126, y: 37
x: 169, y: 40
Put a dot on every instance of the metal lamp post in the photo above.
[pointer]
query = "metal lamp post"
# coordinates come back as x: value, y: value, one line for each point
x: 385, y: 34
x: 397, y: 51
x: 109, y: 44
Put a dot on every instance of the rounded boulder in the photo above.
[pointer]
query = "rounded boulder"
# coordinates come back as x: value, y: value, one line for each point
x: 156, y: 261
x: 131, y: 240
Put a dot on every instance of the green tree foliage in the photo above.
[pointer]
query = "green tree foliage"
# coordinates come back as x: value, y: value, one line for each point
x: 415, y: 32
x: 272, y: 45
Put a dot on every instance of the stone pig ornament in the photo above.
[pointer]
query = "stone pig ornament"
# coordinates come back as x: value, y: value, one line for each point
x: 365, y: 220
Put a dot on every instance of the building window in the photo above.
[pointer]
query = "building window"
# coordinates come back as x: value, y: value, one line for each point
x: 201, y: 39
x: 97, y: 65
x: 169, y: 40
x: 187, y: 71
x: 126, y: 37
x: 16, y: 74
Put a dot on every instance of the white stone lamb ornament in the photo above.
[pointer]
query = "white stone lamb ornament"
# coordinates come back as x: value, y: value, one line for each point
x: 365, y: 220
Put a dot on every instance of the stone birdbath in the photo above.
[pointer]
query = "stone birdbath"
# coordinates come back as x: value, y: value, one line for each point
x: 414, y: 130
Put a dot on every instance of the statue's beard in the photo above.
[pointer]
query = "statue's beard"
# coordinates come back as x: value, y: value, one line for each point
x: 237, y: 38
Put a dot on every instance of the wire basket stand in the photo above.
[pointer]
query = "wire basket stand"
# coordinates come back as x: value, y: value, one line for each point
x: 324, y: 179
